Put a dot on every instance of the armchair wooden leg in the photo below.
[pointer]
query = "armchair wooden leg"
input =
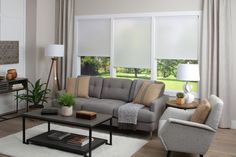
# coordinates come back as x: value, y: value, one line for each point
x: 168, y: 154
x: 201, y: 155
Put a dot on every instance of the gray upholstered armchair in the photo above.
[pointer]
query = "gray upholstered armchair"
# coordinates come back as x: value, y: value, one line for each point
x: 178, y: 133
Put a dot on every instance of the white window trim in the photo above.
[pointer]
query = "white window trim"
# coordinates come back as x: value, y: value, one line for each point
x: 112, y: 17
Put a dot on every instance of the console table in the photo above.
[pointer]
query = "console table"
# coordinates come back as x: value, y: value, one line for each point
x: 7, y: 86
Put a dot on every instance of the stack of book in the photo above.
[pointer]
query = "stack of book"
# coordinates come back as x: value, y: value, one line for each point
x: 49, y: 111
x: 79, y: 140
x: 58, y: 135
x: 17, y: 86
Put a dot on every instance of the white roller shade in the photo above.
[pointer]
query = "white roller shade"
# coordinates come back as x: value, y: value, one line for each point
x: 132, y: 42
x: 94, y: 37
x: 177, y: 37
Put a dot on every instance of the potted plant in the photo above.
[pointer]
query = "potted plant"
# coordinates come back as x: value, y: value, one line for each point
x: 180, y: 98
x: 35, y: 94
x: 67, y: 102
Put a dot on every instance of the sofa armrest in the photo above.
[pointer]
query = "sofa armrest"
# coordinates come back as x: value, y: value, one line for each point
x: 158, y: 106
x: 159, y: 103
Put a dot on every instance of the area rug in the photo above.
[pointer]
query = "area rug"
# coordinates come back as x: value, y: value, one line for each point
x: 122, y: 146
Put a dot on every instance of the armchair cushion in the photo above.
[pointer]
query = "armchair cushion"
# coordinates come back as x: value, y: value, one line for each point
x: 201, y: 113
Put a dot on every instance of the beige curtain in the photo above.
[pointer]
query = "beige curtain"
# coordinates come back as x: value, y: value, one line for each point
x: 65, y: 35
x: 215, y: 58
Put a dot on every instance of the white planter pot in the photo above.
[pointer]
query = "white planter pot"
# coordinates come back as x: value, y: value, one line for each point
x: 66, y: 111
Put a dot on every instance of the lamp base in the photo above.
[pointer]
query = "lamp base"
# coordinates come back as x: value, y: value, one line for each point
x: 189, y: 98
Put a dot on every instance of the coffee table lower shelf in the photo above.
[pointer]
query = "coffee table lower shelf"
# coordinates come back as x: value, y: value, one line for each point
x: 43, y: 140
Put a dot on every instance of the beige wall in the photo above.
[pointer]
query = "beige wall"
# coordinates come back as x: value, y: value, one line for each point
x: 45, y: 34
x: 86, y: 7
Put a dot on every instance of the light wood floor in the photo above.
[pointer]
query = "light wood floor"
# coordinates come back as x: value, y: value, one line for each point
x: 223, y: 145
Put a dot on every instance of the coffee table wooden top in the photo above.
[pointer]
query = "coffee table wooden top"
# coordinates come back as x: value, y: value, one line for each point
x: 71, y: 120
x: 172, y: 103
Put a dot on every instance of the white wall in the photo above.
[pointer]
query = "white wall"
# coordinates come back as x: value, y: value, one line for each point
x: 12, y: 27
x: 89, y: 7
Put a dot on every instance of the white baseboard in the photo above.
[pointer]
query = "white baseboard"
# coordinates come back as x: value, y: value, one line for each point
x: 233, y: 124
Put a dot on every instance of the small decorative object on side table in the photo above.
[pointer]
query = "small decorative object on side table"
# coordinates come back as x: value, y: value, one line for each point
x: 180, y: 98
x: 172, y: 103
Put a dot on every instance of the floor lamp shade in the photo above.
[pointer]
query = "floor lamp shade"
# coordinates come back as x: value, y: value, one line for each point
x: 54, y: 50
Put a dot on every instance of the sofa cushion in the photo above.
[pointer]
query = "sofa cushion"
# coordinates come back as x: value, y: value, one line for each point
x: 83, y: 86
x: 107, y: 106
x: 144, y: 115
x: 201, y: 113
x: 114, y: 88
x: 95, y: 87
x: 80, y: 102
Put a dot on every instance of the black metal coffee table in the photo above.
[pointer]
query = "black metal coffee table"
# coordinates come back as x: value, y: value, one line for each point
x: 43, y: 140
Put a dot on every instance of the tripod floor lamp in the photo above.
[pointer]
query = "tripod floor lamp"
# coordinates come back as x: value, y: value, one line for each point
x: 54, y: 51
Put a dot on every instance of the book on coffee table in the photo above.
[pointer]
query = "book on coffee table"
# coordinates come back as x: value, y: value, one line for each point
x: 58, y: 135
x: 49, y: 111
x: 79, y: 140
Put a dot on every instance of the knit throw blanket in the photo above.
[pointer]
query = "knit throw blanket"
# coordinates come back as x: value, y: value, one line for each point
x: 128, y: 113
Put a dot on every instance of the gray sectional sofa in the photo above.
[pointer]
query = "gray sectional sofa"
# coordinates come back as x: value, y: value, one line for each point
x: 106, y: 95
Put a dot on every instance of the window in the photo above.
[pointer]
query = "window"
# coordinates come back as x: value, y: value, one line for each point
x: 133, y: 73
x: 132, y: 42
x: 93, y: 37
x: 95, y: 66
x: 166, y: 72
x: 138, y: 46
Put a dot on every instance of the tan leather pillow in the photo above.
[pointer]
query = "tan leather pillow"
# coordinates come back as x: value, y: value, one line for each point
x: 71, y: 86
x: 83, y: 86
x: 147, y: 93
x: 201, y: 113
x: 138, y: 98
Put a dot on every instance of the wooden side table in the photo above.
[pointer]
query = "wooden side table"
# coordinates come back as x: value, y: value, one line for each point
x: 172, y: 103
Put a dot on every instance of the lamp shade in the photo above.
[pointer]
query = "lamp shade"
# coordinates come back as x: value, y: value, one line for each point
x: 188, y: 72
x: 54, y: 50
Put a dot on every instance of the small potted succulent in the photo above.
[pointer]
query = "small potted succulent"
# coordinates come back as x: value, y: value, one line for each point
x: 67, y: 102
x: 180, y: 98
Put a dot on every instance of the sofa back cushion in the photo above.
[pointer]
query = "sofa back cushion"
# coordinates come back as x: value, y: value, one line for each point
x: 95, y: 86
x: 118, y: 89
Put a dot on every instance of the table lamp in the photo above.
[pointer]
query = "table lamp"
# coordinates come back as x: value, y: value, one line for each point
x: 54, y: 51
x: 188, y: 72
